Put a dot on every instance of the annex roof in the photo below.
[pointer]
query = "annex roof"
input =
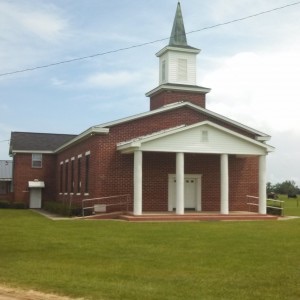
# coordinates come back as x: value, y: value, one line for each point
x: 41, y: 142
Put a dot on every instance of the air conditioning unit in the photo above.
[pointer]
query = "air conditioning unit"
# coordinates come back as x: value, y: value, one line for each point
x: 99, y: 208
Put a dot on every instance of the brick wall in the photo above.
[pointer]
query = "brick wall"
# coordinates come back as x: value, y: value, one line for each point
x: 23, y: 172
x: 111, y: 173
x: 168, y: 97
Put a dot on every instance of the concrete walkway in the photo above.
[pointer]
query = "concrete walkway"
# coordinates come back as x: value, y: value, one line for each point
x: 49, y: 215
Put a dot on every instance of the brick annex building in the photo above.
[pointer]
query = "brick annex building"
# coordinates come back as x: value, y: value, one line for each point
x: 178, y: 156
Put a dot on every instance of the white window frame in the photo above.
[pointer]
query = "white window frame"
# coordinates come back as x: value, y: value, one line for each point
x: 37, y: 158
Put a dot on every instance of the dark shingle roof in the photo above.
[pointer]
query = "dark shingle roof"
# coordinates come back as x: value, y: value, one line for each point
x: 31, y: 141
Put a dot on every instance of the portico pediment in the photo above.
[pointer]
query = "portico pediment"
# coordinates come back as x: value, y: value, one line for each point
x: 203, y: 137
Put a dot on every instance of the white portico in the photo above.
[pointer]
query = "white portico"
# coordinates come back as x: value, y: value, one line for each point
x: 200, y: 138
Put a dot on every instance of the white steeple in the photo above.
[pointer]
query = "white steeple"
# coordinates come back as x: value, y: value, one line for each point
x: 177, y: 61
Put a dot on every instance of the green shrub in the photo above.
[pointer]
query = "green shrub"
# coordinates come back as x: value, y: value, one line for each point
x: 274, y: 211
x: 62, y: 208
x: 18, y: 205
x: 4, y: 204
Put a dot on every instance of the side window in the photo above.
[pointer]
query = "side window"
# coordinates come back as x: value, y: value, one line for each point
x: 79, y: 175
x: 72, y: 175
x: 37, y: 160
x: 87, y: 172
x: 66, y: 176
x: 61, y: 177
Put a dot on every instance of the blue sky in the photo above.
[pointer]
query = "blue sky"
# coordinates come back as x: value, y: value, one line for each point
x: 252, y: 66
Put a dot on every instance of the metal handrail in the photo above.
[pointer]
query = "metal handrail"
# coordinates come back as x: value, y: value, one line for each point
x: 269, y: 206
x: 103, y: 198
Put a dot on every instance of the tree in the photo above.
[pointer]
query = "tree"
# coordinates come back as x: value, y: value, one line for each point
x: 286, y: 187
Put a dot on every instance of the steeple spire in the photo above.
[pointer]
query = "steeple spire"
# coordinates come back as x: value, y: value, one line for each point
x: 178, y: 36
x: 177, y: 70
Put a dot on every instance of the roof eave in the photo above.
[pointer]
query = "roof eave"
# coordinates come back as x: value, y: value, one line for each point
x: 187, y: 49
x: 84, y: 135
x: 31, y: 151
x: 177, y: 87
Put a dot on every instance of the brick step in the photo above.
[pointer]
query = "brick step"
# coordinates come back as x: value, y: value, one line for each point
x: 161, y: 218
x: 104, y: 216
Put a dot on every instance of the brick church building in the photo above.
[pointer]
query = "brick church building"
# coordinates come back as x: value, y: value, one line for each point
x: 177, y: 156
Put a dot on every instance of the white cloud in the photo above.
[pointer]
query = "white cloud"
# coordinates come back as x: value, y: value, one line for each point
x: 30, y: 33
x: 260, y: 89
x: 109, y: 80
x: 18, y: 20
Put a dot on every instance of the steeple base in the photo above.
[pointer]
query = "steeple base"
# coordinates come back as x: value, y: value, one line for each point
x: 167, y: 94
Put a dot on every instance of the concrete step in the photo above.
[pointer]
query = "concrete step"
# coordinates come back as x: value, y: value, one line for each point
x: 190, y: 217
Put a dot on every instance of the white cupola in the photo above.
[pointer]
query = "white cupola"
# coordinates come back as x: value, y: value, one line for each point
x: 177, y: 70
x: 177, y: 61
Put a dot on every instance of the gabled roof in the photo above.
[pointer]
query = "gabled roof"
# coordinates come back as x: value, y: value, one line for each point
x: 188, y: 139
x: 261, y: 135
x: 6, y: 170
x: 52, y: 143
x: 37, y: 142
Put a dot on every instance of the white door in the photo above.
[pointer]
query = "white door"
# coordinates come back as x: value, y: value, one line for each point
x: 35, y: 198
x: 192, y: 192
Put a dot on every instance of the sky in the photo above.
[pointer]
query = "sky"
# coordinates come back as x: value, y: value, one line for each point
x: 252, y: 66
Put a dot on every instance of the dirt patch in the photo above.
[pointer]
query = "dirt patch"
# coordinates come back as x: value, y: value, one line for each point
x: 7, y: 293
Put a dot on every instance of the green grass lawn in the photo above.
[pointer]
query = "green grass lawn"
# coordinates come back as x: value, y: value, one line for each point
x: 291, y: 206
x: 123, y: 260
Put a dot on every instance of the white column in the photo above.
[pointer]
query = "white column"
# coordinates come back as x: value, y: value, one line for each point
x: 179, y: 183
x: 137, y: 182
x: 262, y: 202
x: 224, y: 185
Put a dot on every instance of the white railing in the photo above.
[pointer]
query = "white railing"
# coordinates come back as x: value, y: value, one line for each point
x: 281, y: 203
x: 105, y: 202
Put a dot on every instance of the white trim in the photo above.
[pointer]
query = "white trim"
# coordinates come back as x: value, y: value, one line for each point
x: 89, y: 132
x: 67, y: 160
x: 61, y: 163
x: 73, y: 158
x: 129, y: 146
x: 178, y: 49
x: 87, y: 153
x: 33, y: 151
x: 178, y: 87
x: 79, y: 156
